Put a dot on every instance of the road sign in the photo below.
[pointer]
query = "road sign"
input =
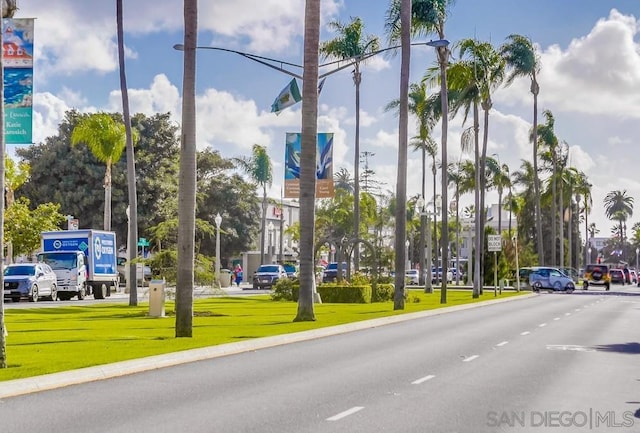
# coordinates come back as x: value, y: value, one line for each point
x: 142, y: 242
x: 494, y: 243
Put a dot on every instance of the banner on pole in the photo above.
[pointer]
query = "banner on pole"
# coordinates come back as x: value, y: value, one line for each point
x: 324, y: 165
x: 17, y: 59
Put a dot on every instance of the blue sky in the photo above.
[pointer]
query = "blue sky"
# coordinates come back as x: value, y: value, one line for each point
x: 590, y: 78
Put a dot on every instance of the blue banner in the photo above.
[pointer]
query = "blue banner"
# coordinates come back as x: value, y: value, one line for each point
x: 17, y: 58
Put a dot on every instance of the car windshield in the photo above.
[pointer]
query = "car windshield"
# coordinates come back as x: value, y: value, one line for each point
x: 268, y: 268
x: 59, y: 261
x: 289, y: 268
x: 20, y: 270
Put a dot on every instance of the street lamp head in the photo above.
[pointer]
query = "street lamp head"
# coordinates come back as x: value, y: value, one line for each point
x: 218, y: 220
x: 407, y: 243
x: 437, y: 44
x: 178, y: 47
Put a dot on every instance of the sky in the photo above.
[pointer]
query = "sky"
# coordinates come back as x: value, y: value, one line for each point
x: 590, y: 80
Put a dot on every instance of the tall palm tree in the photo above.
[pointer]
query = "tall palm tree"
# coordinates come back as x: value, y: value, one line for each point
x: 548, y: 151
x: 9, y: 7
x: 106, y: 140
x: 524, y: 177
x: 619, y: 206
x: 582, y: 189
x: 342, y: 180
x: 131, y: 165
x: 522, y: 58
x: 260, y: 169
x: 500, y: 179
x: 187, y: 177
x: 308, y: 160
x: 351, y: 43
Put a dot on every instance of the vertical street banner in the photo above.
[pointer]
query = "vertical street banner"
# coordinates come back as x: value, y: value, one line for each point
x: 324, y: 165
x: 17, y: 59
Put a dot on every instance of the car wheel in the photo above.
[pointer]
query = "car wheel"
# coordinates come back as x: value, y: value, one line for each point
x: 34, y: 294
x: 54, y: 293
x: 537, y: 286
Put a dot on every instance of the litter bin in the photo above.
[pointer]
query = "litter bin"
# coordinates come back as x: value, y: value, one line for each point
x: 156, y: 298
x: 225, y: 278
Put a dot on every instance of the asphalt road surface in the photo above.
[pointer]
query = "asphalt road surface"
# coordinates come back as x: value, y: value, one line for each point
x: 553, y: 362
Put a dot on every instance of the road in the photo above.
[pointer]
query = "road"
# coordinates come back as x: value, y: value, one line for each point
x: 553, y: 362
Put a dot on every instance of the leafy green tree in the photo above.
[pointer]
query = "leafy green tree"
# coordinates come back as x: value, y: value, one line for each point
x: 260, y: 170
x: 16, y: 174
x: 523, y: 61
x: 106, y: 139
x: 24, y: 225
x: 352, y: 44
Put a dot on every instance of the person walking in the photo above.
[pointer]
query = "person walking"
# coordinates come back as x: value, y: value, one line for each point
x: 237, y: 272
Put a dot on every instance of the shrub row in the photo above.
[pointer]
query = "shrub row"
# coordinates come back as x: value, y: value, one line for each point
x: 287, y: 290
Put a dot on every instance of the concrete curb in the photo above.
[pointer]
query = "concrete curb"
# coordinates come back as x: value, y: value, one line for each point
x: 17, y: 387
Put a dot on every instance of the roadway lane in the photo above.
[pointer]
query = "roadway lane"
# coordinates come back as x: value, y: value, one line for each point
x: 505, y: 367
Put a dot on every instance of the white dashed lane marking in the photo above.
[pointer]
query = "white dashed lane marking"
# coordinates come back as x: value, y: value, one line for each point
x: 422, y: 379
x: 346, y: 413
x: 470, y: 358
x: 525, y: 333
x: 502, y: 343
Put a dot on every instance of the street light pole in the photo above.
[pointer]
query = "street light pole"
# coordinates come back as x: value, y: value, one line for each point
x: 270, y: 229
x: 218, y: 221
x: 637, y: 252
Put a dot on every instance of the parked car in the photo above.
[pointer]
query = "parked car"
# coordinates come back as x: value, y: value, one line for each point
x: 552, y: 279
x: 143, y: 273
x: 633, y: 275
x: 617, y: 276
x: 30, y: 281
x: 330, y: 273
x: 436, y: 275
x: 292, y: 271
x: 267, y: 275
x: 596, y: 274
x: 412, y: 276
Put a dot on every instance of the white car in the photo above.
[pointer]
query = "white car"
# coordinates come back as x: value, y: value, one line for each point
x: 412, y: 276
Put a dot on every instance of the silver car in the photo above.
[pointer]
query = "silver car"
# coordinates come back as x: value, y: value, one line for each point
x: 30, y: 281
x: 552, y: 279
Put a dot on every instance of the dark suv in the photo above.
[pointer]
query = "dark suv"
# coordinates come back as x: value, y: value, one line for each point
x: 267, y: 275
x: 330, y: 274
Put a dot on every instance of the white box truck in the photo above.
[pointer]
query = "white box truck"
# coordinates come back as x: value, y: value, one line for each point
x: 84, y: 262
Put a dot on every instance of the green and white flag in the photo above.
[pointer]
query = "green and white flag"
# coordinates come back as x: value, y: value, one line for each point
x: 289, y: 96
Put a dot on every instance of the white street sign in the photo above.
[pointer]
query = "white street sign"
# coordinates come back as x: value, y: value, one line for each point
x: 494, y: 243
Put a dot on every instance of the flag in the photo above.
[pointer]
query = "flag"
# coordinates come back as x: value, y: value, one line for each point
x: 289, y: 96
x: 320, y: 85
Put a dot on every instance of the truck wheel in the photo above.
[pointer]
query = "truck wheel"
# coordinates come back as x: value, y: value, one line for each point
x: 99, y: 291
x: 34, y: 294
x: 82, y: 292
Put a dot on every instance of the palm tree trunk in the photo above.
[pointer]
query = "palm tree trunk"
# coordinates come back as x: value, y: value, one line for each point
x: 443, y: 58
x: 308, y: 160
x: 536, y: 177
x: 187, y: 177
x: 483, y: 180
x: 107, y: 197
x: 423, y: 219
x: 263, y: 223
x: 357, y: 78
x: 477, y: 274
x: 561, y: 218
x: 401, y: 183
x: 132, y: 237
x: 554, y: 214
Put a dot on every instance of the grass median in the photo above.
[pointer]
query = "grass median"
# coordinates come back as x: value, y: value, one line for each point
x: 53, y: 339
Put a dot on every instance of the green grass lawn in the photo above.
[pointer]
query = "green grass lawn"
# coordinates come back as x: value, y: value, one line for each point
x: 48, y: 340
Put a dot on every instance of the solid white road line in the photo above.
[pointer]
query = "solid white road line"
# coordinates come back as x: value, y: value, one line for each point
x: 422, y: 379
x: 471, y: 358
x: 502, y: 343
x: 345, y: 413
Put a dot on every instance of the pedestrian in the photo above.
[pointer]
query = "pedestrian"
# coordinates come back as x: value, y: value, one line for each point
x: 237, y: 272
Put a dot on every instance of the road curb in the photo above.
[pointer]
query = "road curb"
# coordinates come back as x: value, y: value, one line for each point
x: 13, y: 388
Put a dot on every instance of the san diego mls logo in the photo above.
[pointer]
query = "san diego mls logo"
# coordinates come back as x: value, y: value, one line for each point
x: 98, y: 247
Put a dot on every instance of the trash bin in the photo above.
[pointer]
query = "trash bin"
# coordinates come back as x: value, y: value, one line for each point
x: 156, y: 298
x: 225, y: 278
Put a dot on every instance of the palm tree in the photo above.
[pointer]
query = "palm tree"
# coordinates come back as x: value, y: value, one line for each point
x: 131, y: 165
x: 426, y: 18
x: 582, y: 190
x: 525, y: 179
x: 342, y: 180
x: 9, y: 7
x: 351, y: 43
x: 260, y: 170
x: 619, y: 206
x: 308, y: 160
x: 548, y: 151
x: 106, y: 139
x: 187, y: 177
x: 523, y: 60
x: 500, y: 179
